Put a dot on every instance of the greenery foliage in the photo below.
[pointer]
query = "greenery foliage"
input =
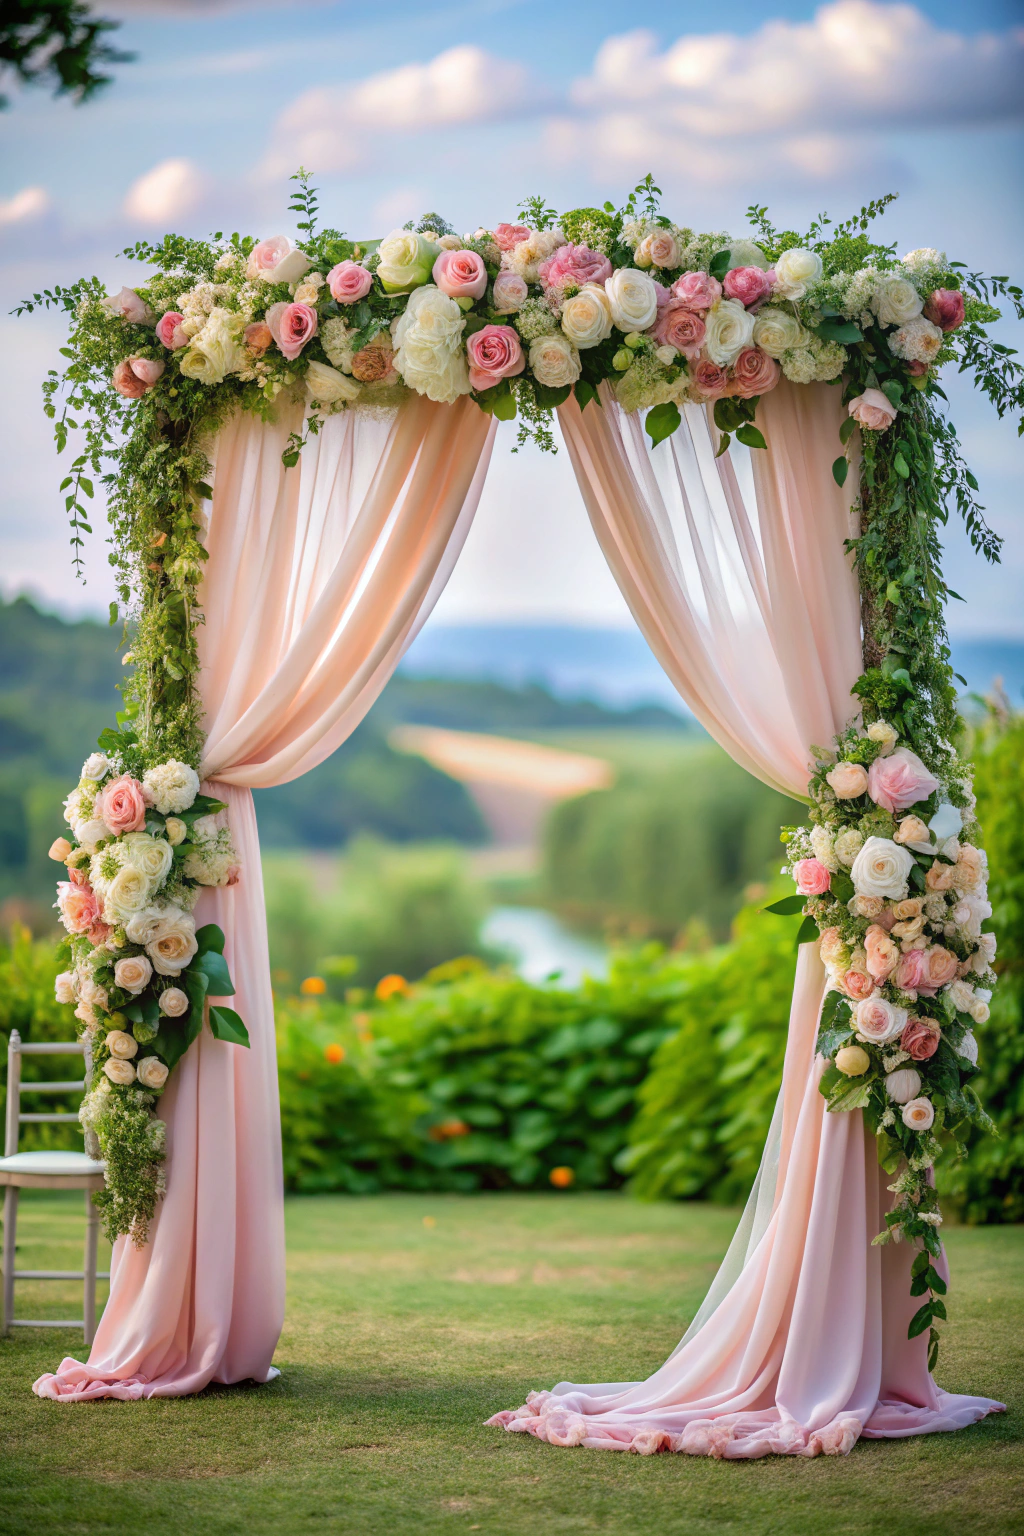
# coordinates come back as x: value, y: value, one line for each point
x: 57, y: 42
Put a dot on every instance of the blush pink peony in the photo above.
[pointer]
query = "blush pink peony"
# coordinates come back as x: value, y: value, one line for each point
x: 679, y: 326
x: 873, y: 410
x: 910, y: 972
x: 711, y: 380
x: 881, y: 951
x: 461, y: 274
x: 349, y: 282
x: 900, y: 780
x: 169, y: 331
x: 122, y: 805
x: 292, y: 326
x: 945, y: 308
x: 510, y: 293
x: 697, y: 290
x: 574, y: 265
x: 920, y: 1039
x: 494, y: 354
x: 754, y: 373
x: 749, y: 285
x: 508, y: 236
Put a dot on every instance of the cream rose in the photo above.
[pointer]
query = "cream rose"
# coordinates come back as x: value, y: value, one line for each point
x: 174, y: 1002
x: 64, y: 987
x: 406, y: 260
x: 326, y: 385
x: 633, y: 299
x: 145, y: 925
x: 121, y: 1044
x: 795, y: 271
x: 152, y: 1072
x: 913, y: 830
x: 96, y: 767
x: 174, y: 945
x: 884, y: 733
x: 919, y: 1115
x: 151, y: 855
x: 175, y: 830
x: 878, y: 1020
x: 660, y: 249
x: 428, y: 346
x: 132, y: 973
x: 217, y: 349
x: 896, y: 300
x: 730, y: 328
x: 847, y: 780
x: 120, y: 1072
x: 587, y: 316
x: 554, y: 361
x: 777, y: 331
x: 126, y: 895
x: 882, y: 868
x: 848, y: 844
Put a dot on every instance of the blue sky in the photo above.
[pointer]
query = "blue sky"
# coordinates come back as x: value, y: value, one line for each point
x: 465, y: 107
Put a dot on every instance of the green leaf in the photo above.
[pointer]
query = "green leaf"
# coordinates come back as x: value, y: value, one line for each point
x: 920, y: 1320
x: 584, y: 393
x: 662, y: 421
x: 847, y: 430
x: 210, y: 936
x: 218, y: 977
x: 113, y: 613
x: 173, y: 1041
x: 901, y: 466
x: 504, y: 407
x: 920, y: 1264
x: 939, y: 1309
x: 719, y: 264
x: 839, y: 330
x: 750, y: 436
x: 935, y: 1281
x: 806, y: 933
x: 786, y: 906
x: 723, y: 446
x: 226, y: 1024
x: 840, y: 470
x: 853, y: 1096
x: 829, y: 1078
x: 550, y: 399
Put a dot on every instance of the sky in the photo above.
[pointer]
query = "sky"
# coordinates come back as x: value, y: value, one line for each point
x: 401, y: 108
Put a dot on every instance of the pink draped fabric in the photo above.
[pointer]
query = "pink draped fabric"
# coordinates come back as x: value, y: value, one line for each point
x: 751, y: 606
x: 318, y: 579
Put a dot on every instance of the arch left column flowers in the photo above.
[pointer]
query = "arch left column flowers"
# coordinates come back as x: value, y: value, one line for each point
x: 318, y: 579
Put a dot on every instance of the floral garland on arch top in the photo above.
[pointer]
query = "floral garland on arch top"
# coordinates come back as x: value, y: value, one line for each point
x: 517, y: 317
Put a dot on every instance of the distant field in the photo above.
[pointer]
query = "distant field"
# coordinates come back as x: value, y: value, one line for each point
x: 627, y: 751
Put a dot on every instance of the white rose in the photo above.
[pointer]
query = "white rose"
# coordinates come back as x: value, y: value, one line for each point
x: 730, y: 328
x: 960, y: 994
x: 795, y: 271
x: 152, y: 855
x: 145, y: 925
x: 979, y: 1011
x: 133, y: 973
x: 121, y: 1072
x: 587, y: 316
x: 968, y: 1049
x: 896, y: 300
x: 174, y: 944
x: 152, y: 1072
x: 848, y: 844
x: 554, y: 361
x: 216, y: 350
x: 127, y: 894
x: 406, y: 260
x: 882, y: 868
x: 92, y: 832
x: 172, y: 786
x: 120, y: 1044
x: 327, y: 385
x: 64, y: 987
x: 986, y: 952
x: 428, y: 346
x: 174, y: 1002
x: 632, y: 298
x: 918, y: 1115
x: 176, y: 831
x: 777, y: 331
x: 903, y: 1085
x: 96, y: 767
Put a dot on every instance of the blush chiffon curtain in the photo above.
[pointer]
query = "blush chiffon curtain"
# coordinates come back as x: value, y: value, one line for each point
x: 736, y: 573
x: 318, y: 579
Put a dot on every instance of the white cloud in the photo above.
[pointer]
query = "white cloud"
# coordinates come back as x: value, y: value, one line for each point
x: 24, y: 207
x: 332, y: 127
x: 171, y: 190
x: 856, y: 63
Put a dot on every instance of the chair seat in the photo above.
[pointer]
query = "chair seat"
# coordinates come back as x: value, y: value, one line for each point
x: 40, y: 1168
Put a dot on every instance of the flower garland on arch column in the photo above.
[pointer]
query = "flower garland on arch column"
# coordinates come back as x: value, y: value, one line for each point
x: 519, y: 317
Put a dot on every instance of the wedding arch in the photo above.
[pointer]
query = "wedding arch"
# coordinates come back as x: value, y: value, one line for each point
x: 292, y: 440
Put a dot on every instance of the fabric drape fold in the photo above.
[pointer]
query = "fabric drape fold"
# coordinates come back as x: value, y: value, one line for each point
x: 736, y: 573
x: 318, y: 579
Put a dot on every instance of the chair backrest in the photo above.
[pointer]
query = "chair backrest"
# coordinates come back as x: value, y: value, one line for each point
x: 16, y: 1118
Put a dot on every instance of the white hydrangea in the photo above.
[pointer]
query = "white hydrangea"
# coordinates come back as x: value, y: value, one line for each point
x: 860, y: 292
x: 172, y: 786
x: 336, y: 338
x: 925, y: 268
x: 535, y: 319
x: 211, y: 859
x: 824, y: 848
x: 918, y: 340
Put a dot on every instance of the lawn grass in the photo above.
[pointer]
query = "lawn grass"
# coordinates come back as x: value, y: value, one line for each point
x: 411, y: 1318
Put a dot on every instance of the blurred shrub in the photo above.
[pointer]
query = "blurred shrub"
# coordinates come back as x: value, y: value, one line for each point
x: 989, y: 1186
x: 27, y: 1003
x: 663, y: 850
x: 704, y: 1110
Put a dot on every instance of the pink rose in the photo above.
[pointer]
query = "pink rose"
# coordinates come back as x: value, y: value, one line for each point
x: 920, y: 1039
x: 900, y: 780
x: 753, y: 373
x: 748, y: 284
x: 258, y: 337
x: 127, y: 382
x: 940, y: 968
x: 811, y: 876
x: 909, y: 975
x: 678, y: 326
x: 291, y: 326
x: 574, y: 265
x: 169, y: 331
x: 349, y: 282
x: 122, y: 805
x: 508, y: 236
x: 882, y: 954
x: 697, y: 290
x: 148, y: 369
x: 856, y: 984
x: 510, y: 293
x: 77, y: 905
x: 945, y: 308
x: 461, y: 274
x: 873, y: 410
x: 709, y: 378
x: 494, y: 354
x: 916, y: 368
x: 879, y: 1020
x: 130, y: 307
x: 276, y: 261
